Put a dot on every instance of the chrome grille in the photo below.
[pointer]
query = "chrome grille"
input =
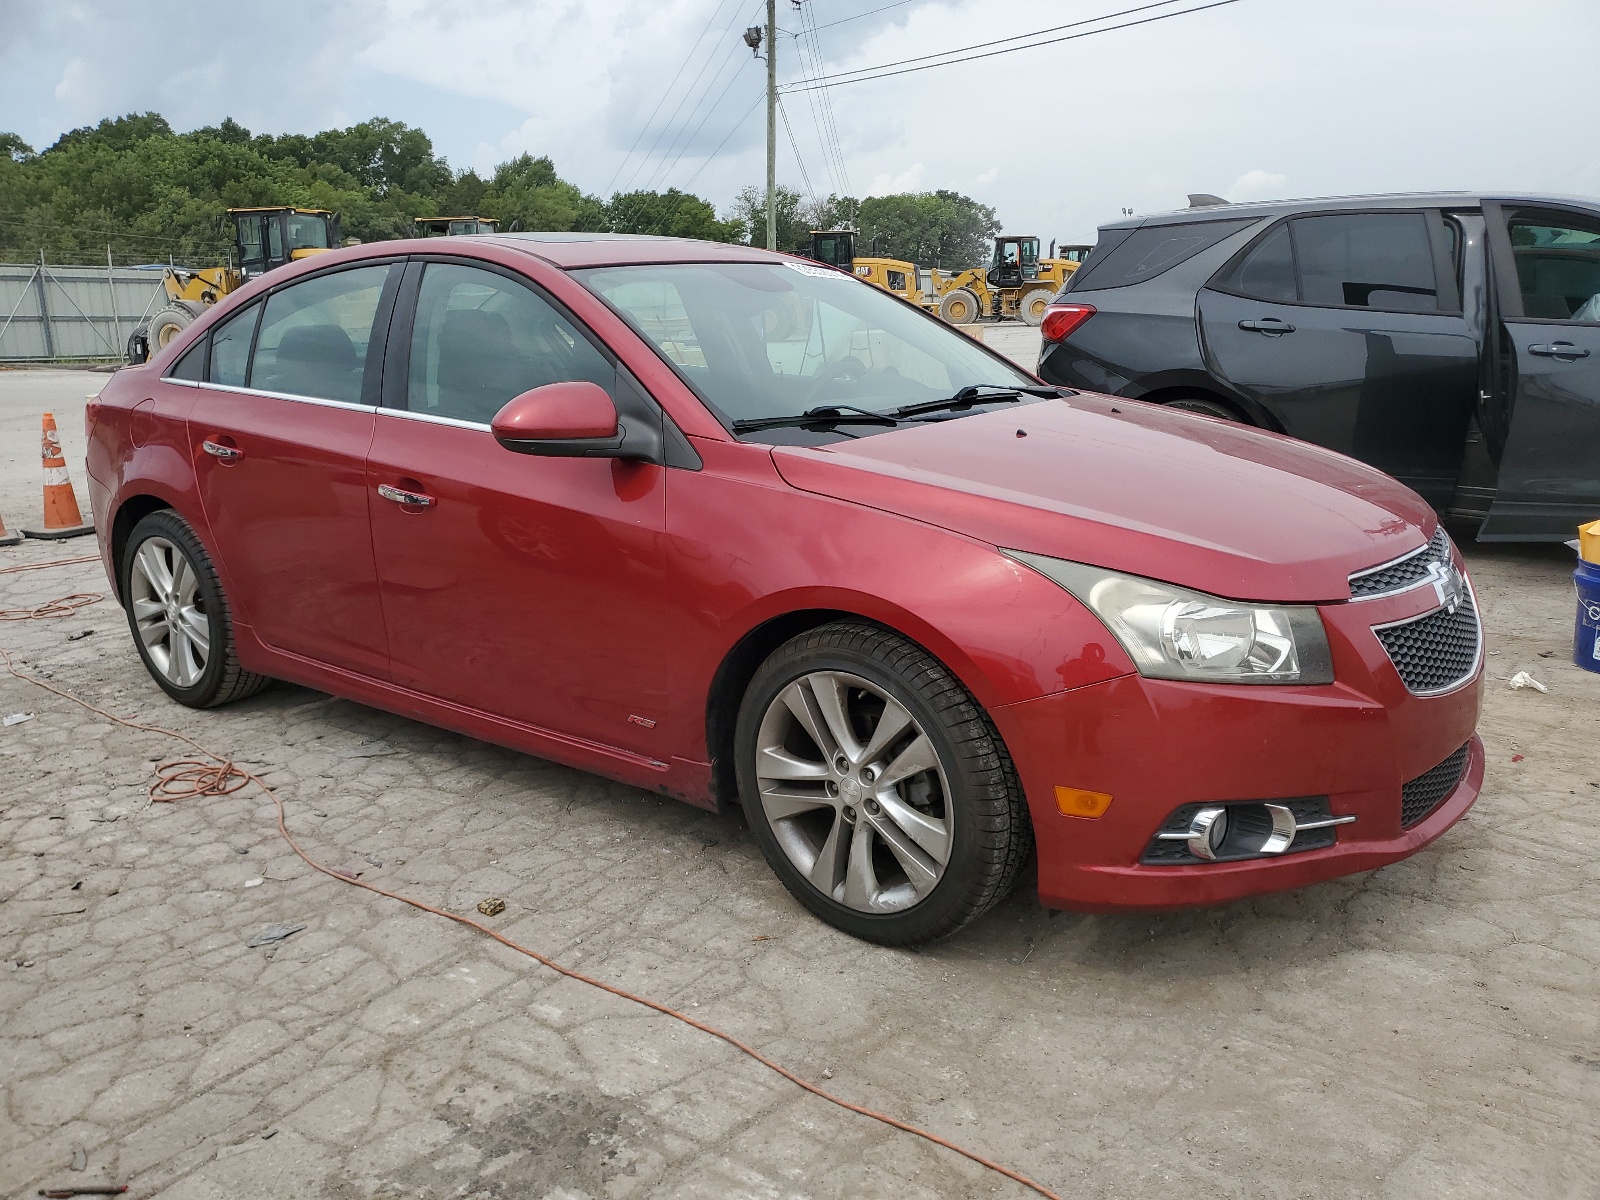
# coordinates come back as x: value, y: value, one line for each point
x: 1405, y: 573
x: 1425, y: 793
x: 1435, y: 652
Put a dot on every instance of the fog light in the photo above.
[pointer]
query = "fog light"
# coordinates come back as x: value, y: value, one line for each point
x: 1075, y: 802
x: 1207, y: 832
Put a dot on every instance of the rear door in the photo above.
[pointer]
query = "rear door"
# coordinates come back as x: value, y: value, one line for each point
x: 279, y: 434
x: 1347, y: 327
x: 1547, y: 276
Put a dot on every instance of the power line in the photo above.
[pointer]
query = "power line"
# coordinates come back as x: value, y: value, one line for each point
x: 805, y: 175
x: 668, y: 123
x: 737, y: 125
x: 868, y: 13
x: 828, y: 127
x: 877, y: 72
x: 688, y: 141
x: 683, y: 66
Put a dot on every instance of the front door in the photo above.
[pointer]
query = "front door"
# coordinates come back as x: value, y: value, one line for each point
x: 1347, y: 329
x: 525, y: 587
x: 1547, y: 272
x: 279, y: 435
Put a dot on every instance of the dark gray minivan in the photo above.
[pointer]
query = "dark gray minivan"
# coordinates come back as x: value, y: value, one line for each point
x: 1450, y: 339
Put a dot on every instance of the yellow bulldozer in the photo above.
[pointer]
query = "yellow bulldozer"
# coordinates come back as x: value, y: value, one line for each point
x: 263, y: 238
x: 1016, y: 284
x: 455, y: 226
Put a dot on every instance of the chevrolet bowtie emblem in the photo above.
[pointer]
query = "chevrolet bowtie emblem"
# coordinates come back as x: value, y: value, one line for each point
x: 1451, y: 589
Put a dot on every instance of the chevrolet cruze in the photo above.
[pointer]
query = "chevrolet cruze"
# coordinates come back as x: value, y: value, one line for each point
x: 737, y: 528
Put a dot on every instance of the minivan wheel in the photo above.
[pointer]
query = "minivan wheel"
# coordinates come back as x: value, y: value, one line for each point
x: 1205, y: 407
x: 877, y: 787
x: 180, y: 620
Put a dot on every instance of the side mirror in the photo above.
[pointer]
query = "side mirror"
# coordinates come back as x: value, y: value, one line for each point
x: 560, y: 420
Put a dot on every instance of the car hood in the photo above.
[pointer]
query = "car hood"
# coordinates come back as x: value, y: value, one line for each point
x: 1137, y: 488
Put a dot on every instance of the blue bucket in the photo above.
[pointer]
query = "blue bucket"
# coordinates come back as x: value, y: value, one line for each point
x: 1586, y: 636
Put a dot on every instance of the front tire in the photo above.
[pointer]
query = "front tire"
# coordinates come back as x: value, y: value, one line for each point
x: 178, y: 615
x: 1206, y: 407
x: 1031, y: 307
x: 877, y: 787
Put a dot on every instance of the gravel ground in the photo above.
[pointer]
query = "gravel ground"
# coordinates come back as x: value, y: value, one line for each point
x: 1427, y: 1030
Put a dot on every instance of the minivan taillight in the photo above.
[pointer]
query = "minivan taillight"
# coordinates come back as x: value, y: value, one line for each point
x: 1060, y: 320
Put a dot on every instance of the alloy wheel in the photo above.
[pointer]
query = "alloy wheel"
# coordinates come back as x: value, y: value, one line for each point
x: 169, y: 611
x: 854, y: 792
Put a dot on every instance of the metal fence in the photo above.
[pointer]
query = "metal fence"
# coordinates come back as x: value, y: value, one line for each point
x: 49, y: 312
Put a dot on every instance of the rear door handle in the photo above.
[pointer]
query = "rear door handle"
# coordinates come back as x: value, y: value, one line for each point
x: 401, y: 496
x: 227, y: 454
x: 1267, y: 325
x: 1562, y: 350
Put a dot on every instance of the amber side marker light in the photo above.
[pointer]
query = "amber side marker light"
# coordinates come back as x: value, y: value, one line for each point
x: 1075, y: 802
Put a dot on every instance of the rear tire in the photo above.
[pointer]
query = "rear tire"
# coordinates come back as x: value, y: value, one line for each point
x: 902, y: 819
x: 166, y: 325
x: 959, y: 307
x: 1206, y: 407
x: 1032, y: 304
x: 180, y: 620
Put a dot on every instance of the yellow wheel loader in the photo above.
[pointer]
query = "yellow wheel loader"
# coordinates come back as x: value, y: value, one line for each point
x: 1016, y: 284
x: 455, y: 226
x: 263, y: 238
x: 837, y: 248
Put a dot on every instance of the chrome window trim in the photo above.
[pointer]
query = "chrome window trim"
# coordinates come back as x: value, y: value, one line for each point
x: 1477, y: 659
x: 244, y: 391
x: 431, y: 418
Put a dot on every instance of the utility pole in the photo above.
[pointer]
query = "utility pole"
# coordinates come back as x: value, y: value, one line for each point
x: 772, y: 124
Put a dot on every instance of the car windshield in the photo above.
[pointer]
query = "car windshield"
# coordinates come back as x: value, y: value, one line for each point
x: 761, y: 340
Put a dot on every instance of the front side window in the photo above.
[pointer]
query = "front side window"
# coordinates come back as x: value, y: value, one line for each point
x: 1366, y: 260
x: 315, y: 334
x: 1558, y: 266
x: 773, y: 339
x: 308, y: 231
x: 481, y: 339
x: 230, y: 348
x: 897, y: 281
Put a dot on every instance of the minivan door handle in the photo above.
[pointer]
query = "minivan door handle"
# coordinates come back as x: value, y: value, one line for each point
x: 1267, y: 325
x: 1561, y: 350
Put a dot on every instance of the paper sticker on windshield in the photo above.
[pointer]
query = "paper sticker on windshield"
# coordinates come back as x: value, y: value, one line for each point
x: 814, y: 272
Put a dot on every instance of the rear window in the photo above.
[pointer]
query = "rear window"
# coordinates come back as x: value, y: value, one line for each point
x: 1148, y: 251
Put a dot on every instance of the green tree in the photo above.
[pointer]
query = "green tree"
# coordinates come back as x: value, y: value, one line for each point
x: 669, y: 214
x: 749, y: 211
x: 933, y: 229
x: 14, y: 148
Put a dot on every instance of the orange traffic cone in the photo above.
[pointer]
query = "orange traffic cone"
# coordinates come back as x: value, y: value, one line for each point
x: 6, y: 538
x: 62, y: 517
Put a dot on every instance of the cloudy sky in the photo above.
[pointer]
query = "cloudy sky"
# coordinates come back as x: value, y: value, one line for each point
x: 1251, y: 99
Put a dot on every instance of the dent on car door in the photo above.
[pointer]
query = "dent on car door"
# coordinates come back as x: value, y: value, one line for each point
x: 279, y: 433
x: 524, y: 587
x: 1347, y: 328
x: 1547, y: 275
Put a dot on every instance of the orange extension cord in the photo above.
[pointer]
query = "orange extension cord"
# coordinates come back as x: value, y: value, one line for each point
x: 215, y: 775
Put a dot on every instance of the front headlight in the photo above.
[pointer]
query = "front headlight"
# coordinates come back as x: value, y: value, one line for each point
x: 1173, y: 633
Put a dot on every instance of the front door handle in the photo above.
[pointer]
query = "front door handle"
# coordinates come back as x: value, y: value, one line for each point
x: 1269, y: 325
x: 1565, y: 351
x: 401, y: 496
x: 228, y: 454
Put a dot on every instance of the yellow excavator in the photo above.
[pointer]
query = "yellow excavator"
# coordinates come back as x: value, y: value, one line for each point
x: 263, y: 238
x: 455, y: 226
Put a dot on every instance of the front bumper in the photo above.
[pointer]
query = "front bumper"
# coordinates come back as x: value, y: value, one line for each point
x: 1154, y: 745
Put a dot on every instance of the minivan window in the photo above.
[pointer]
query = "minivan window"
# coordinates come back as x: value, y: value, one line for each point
x: 1148, y: 251
x: 1366, y: 260
x: 480, y: 339
x: 230, y: 348
x: 1558, y: 267
x: 314, y: 335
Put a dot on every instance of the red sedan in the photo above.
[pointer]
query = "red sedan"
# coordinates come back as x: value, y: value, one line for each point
x: 743, y: 530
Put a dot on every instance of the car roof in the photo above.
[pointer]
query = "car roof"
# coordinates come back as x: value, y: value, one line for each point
x: 569, y: 251
x: 1279, y: 208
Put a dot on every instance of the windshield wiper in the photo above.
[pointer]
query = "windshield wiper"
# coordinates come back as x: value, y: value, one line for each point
x: 975, y: 393
x: 823, y: 414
